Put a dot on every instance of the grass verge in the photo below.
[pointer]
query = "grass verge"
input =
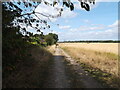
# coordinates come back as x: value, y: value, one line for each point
x: 31, y: 71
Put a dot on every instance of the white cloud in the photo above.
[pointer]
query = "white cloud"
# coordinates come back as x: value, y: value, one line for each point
x: 65, y: 27
x: 86, y: 21
x: 88, y: 28
x: 90, y: 32
x: 49, y: 10
x: 96, y: 28
x: 115, y: 24
x: 46, y: 10
x: 92, y: 35
x: 68, y: 14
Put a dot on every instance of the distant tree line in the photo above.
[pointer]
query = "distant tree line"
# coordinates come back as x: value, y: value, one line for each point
x: 96, y: 41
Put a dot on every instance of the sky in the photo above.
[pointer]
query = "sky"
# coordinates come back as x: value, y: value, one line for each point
x: 100, y: 23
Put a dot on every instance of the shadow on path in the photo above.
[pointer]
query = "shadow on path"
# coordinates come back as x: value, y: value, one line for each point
x: 57, y: 76
x: 60, y: 74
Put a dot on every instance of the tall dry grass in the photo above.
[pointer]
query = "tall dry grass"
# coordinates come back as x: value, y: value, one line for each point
x: 100, y: 55
x: 31, y: 72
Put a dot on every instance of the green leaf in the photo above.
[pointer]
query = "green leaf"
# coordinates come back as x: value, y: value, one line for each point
x: 46, y: 3
x: 66, y: 4
x: 44, y: 21
x: 71, y: 6
x: 61, y: 9
x: 54, y: 3
x: 30, y: 4
x: 37, y: 25
x: 48, y: 26
x: 19, y: 3
x: 24, y: 29
x: 37, y: 21
x: 85, y: 6
x: 38, y: 30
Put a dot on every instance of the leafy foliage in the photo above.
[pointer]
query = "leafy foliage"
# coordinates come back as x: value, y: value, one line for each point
x: 44, y: 40
x: 27, y: 16
x: 51, y: 38
x: 15, y: 20
x: 14, y: 46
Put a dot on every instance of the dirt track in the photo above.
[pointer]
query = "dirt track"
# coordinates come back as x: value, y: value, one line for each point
x: 60, y: 78
x: 60, y: 72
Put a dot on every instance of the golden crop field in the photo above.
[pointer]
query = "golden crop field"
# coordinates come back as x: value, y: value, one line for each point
x: 99, y: 55
x: 101, y: 47
x: 103, y: 56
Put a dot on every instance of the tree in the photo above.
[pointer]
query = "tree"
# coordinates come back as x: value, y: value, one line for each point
x: 13, y: 45
x: 55, y: 37
x: 15, y: 36
x: 51, y: 38
x: 21, y: 16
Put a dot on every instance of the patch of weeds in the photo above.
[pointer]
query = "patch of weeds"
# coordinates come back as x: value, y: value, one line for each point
x: 102, y: 77
x: 112, y: 55
x: 98, y: 53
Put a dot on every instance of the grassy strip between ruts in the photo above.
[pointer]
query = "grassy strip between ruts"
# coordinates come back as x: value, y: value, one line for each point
x: 101, y: 65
